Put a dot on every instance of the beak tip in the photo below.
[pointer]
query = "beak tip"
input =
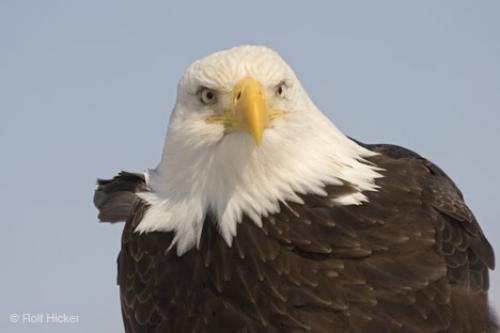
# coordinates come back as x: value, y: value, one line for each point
x: 257, y: 138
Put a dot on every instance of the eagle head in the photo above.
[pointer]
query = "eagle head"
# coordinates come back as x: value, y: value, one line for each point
x: 243, y: 138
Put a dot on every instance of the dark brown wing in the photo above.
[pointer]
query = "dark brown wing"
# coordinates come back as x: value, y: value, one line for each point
x: 115, y: 198
x: 463, y: 241
x: 460, y: 240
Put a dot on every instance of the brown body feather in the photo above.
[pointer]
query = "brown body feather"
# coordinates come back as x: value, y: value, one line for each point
x: 412, y: 259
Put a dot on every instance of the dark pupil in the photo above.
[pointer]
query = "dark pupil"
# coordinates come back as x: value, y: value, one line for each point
x: 209, y: 95
x: 280, y: 90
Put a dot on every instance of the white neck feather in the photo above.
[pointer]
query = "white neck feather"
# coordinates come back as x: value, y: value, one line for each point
x: 235, y: 177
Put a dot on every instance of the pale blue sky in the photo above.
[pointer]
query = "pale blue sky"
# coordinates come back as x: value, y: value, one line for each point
x: 86, y: 88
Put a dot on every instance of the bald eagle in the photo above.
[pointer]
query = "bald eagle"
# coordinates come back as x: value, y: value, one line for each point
x: 263, y: 217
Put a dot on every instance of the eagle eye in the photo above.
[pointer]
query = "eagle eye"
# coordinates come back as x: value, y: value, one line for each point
x: 280, y: 89
x: 207, y: 96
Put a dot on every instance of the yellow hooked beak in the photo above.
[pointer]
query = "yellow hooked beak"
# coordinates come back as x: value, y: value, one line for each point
x: 250, y: 110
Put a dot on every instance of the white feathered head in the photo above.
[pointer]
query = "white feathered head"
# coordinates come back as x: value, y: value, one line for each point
x: 243, y: 137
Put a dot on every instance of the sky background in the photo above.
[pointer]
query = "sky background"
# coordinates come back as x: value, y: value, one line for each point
x: 86, y: 89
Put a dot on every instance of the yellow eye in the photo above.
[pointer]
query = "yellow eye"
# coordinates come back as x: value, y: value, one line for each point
x: 207, y: 96
x: 280, y: 89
